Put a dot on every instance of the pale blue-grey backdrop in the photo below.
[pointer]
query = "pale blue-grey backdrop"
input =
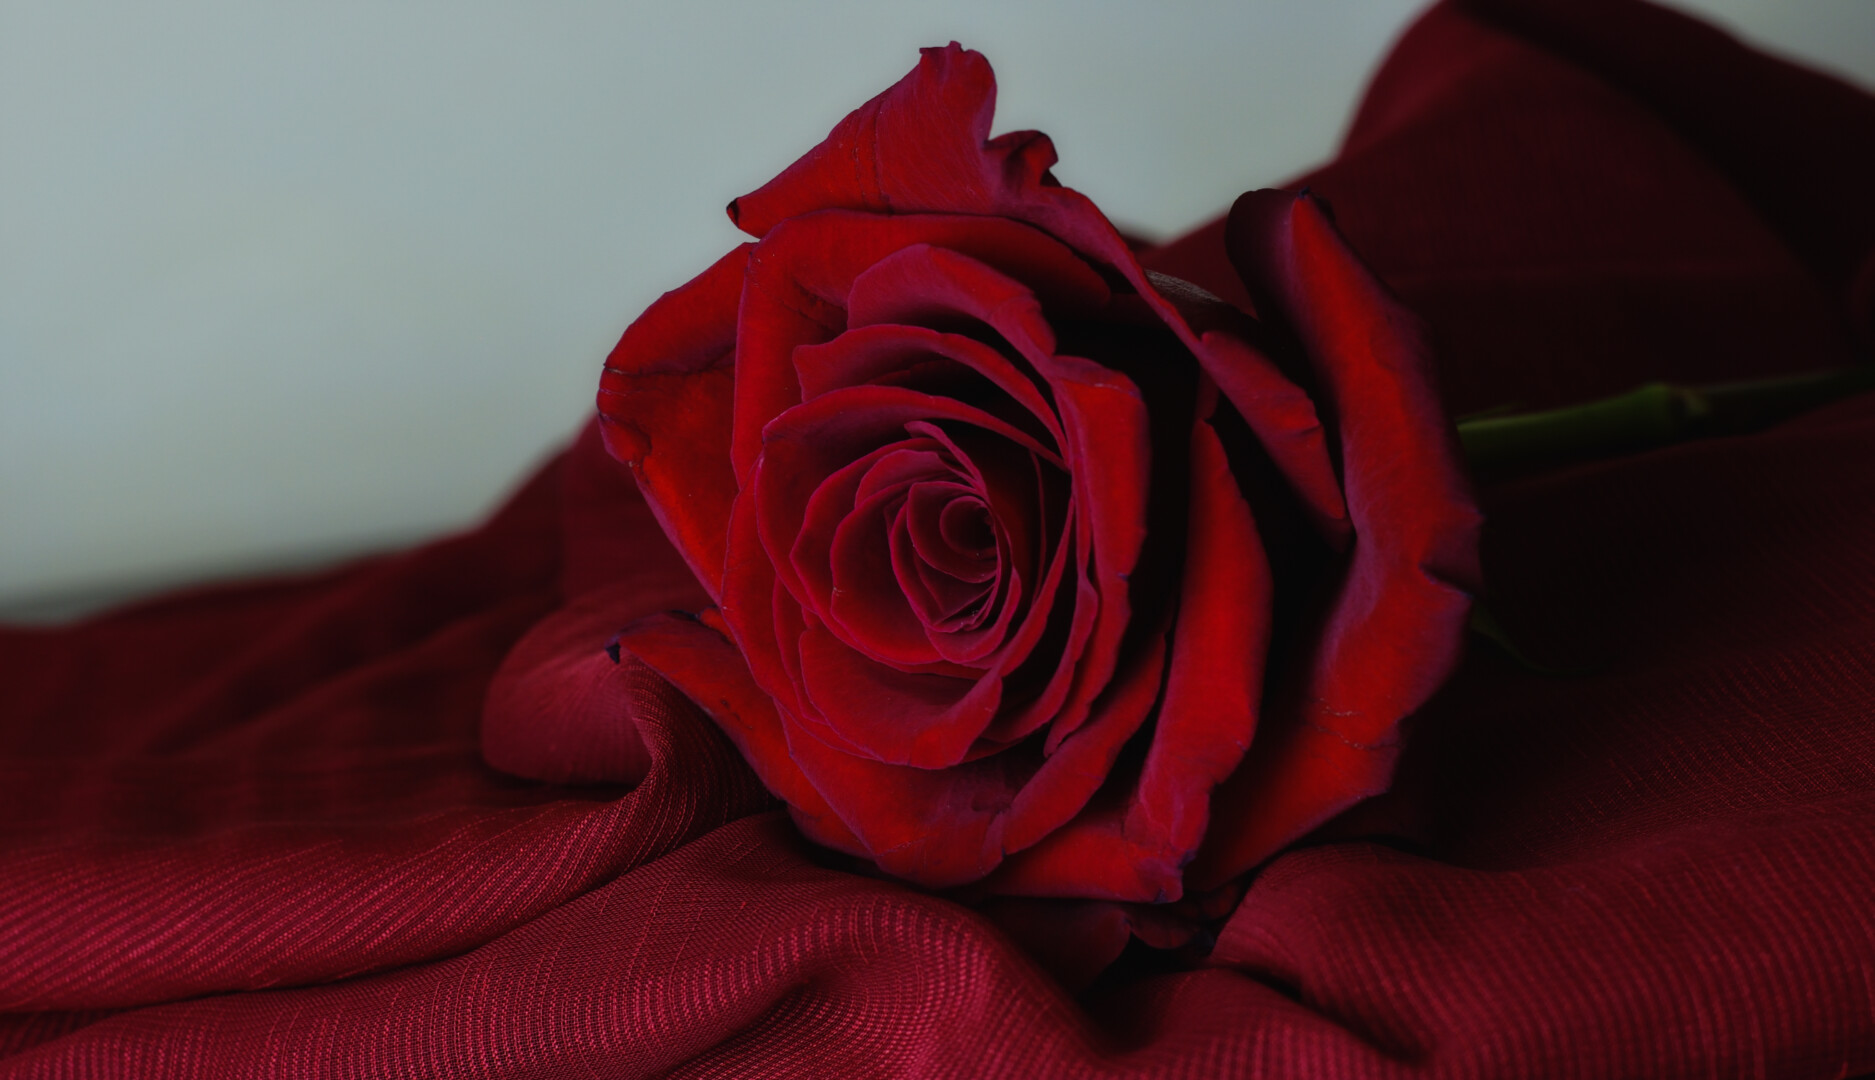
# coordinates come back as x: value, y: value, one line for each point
x: 283, y: 283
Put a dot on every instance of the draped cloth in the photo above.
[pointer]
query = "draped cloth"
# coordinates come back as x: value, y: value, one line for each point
x: 407, y: 818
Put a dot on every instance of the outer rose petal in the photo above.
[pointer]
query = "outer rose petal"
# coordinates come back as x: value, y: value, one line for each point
x: 918, y: 146
x: 923, y: 146
x: 697, y: 658
x: 664, y: 405
x: 753, y: 603
x: 1396, y: 627
x: 560, y: 710
x: 1276, y: 409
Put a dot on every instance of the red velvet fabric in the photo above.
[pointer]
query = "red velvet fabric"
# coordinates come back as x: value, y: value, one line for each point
x: 251, y: 831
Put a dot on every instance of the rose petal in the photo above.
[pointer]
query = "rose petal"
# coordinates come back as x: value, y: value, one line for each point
x: 833, y: 501
x: 933, y: 827
x: 1134, y: 848
x: 919, y: 286
x: 868, y: 602
x: 1010, y: 481
x: 965, y: 527
x: 1069, y: 603
x: 824, y: 434
x: 1111, y: 452
x: 872, y: 353
x: 791, y: 624
x: 699, y: 660
x: 1286, y: 424
x: 1401, y: 614
x: 1064, y: 606
x: 916, y: 460
x: 918, y: 146
x: 800, y: 276
x: 1091, y: 857
x: 1090, y: 398
x: 928, y: 285
x: 1134, y: 844
x: 940, y: 828
x: 1396, y: 627
x: 923, y: 146
x: 946, y: 730
x: 950, y: 527
x: 827, y: 507
x: 890, y: 715
x: 1296, y: 776
x: 665, y: 401
x: 1280, y: 413
x: 1060, y: 846
x: 1209, y: 712
x: 970, y: 637
x: 752, y: 607
x: 1012, y: 485
x: 945, y: 602
x: 813, y: 441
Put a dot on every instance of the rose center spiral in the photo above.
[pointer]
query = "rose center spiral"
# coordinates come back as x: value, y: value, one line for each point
x: 952, y: 559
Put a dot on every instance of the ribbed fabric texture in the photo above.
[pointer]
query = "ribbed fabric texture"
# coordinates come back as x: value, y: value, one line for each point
x: 254, y: 831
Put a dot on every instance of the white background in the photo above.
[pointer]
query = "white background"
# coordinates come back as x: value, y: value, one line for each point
x: 282, y: 283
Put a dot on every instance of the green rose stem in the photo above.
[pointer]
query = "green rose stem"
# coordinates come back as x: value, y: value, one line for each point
x: 1649, y: 416
x: 1658, y: 414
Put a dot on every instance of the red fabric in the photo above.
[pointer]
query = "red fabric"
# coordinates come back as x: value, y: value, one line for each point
x: 250, y: 832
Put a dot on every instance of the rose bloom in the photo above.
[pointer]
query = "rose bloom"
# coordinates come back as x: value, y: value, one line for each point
x: 1034, y: 569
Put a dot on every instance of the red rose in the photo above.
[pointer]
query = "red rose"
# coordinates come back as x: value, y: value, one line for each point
x: 969, y: 488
